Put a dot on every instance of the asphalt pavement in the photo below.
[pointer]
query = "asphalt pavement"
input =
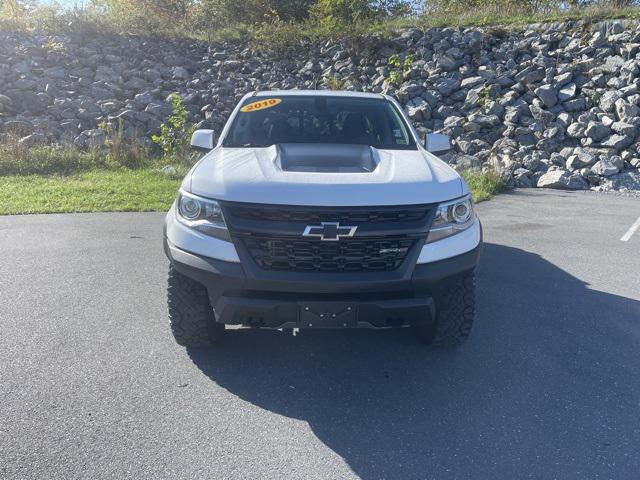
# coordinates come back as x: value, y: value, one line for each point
x: 548, y: 386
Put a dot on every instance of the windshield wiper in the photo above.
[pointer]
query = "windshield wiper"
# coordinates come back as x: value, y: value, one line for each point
x: 248, y: 145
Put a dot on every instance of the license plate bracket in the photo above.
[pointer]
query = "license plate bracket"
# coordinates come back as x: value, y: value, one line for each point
x: 328, y: 314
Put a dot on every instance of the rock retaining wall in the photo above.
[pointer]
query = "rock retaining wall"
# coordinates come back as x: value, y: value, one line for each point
x: 553, y: 105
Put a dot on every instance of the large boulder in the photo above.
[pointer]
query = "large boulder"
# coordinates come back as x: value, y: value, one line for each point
x: 607, y: 166
x: 563, y: 180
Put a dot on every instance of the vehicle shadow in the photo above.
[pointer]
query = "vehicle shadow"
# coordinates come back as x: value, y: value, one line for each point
x: 547, y: 386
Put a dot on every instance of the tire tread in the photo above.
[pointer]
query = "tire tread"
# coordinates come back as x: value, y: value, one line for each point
x: 190, y: 315
x: 455, y: 312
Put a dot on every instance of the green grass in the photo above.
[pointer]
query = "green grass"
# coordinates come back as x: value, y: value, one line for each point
x: 94, y: 191
x: 483, y: 185
x: 128, y: 190
x: 123, y: 176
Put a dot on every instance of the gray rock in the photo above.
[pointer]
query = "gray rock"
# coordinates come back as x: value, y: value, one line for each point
x: 90, y: 138
x: 409, y: 91
x: 472, y: 100
x: 484, y: 121
x: 612, y: 64
x: 626, y: 111
x: 522, y: 178
x: 446, y: 86
x: 180, y: 73
x: 575, y: 105
x: 472, y: 82
x: 624, y: 129
x: 576, y: 130
x: 136, y: 83
x: 626, y: 181
x: 419, y: 112
x: 558, y: 159
x: 580, y: 160
x: 567, y: 92
x: 608, y: 101
x: 236, y: 65
x: 548, y: 95
x: 605, y: 167
x: 447, y: 63
x: 597, y: 131
x: 144, y: 98
x: 554, y: 179
x: 577, y: 182
x: 597, y: 40
x: 465, y: 162
x: 617, y: 141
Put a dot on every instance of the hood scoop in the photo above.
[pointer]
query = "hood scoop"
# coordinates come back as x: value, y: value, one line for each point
x: 326, y: 158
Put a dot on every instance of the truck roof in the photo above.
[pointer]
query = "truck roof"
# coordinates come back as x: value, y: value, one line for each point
x: 316, y: 93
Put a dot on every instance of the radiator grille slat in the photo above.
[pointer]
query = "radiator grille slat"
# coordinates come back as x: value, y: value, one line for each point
x: 366, y: 255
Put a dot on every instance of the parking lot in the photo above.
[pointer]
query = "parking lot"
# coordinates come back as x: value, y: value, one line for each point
x: 548, y: 386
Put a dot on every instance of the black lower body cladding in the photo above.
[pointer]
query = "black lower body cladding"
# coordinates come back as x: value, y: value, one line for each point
x: 316, y: 300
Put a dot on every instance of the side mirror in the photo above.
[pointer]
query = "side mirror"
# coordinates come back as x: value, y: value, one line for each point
x: 202, y: 140
x: 437, y: 143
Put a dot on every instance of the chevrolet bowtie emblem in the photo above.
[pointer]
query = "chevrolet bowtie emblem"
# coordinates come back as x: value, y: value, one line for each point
x: 329, y: 231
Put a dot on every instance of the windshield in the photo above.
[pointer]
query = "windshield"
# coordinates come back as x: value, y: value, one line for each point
x: 262, y: 122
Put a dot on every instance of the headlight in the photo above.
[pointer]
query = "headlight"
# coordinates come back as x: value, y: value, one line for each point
x: 202, y: 214
x: 451, y: 218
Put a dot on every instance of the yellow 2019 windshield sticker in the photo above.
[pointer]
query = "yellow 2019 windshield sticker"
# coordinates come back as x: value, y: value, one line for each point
x: 261, y: 105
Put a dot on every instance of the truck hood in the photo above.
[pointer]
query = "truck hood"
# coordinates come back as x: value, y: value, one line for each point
x: 302, y: 175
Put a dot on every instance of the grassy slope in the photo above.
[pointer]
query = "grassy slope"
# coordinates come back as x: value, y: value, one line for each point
x: 286, y: 37
x: 94, y: 191
x: 278, y: 35
x: 127, y: 190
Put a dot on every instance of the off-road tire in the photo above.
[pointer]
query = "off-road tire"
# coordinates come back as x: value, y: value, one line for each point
x: 455, y: 309
x: 190, y: 314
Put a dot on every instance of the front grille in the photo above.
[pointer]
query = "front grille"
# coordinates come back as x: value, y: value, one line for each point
x: 350, y: 216
x: 291, y: 254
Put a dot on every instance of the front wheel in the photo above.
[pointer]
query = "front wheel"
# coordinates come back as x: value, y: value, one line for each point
x: 190, y: 314
x: 455, y: 309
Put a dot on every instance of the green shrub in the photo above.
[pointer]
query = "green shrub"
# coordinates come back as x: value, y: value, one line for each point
x: 120, y: 151
x: 155, y: 17
x: 334, y: 83
x: 399, y: 67
x: 342, y: 13
x: 279, y: 37
x: 175, y: 133
x: 262, y: 20
x: 483, y: 184
x: 215, y: 14
x: 503, y: 6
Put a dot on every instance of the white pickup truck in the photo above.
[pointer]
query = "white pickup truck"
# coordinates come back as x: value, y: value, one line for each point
x: 321, y: 209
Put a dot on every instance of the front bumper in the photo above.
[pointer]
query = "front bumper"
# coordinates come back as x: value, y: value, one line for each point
x: 321, y: 300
